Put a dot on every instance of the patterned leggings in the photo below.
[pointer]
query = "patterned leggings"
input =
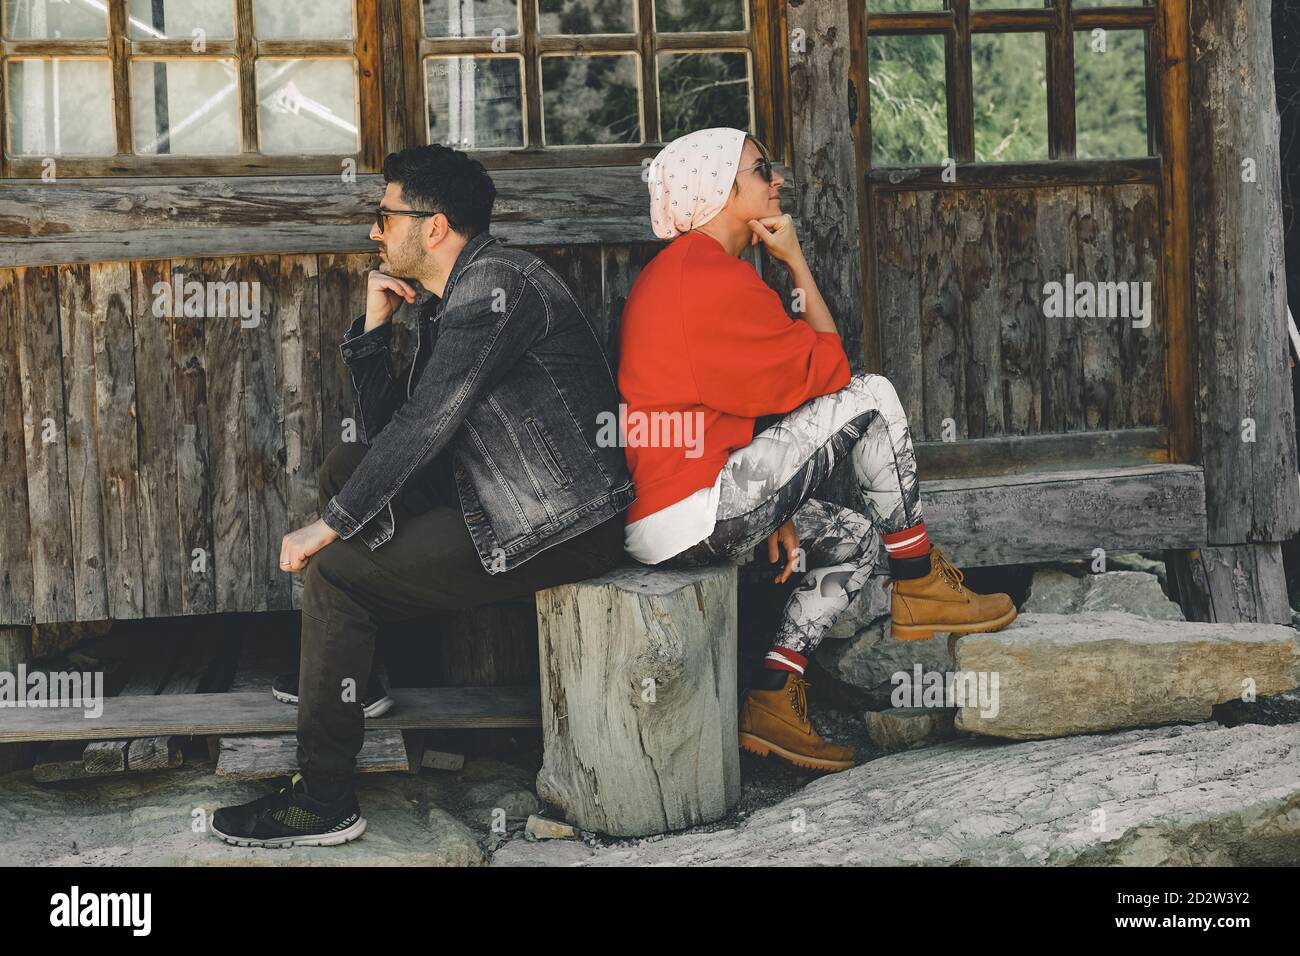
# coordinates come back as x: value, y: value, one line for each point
x: 768, y: 482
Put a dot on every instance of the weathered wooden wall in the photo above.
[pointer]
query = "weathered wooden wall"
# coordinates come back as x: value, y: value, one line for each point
x: 964, y: 332
x: 150, y: 465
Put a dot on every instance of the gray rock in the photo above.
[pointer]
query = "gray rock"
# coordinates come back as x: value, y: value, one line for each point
x: 1052, y: 675
x: 1184, y: 796
x: 907, y: 728
x: 871, y: 657
x: 1135, y: 592
x: 454, y: 844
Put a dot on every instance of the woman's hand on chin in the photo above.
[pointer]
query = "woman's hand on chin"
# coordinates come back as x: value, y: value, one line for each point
x: 777, y: 233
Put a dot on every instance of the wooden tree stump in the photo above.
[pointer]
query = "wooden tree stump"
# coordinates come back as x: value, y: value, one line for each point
x: 638, y: 674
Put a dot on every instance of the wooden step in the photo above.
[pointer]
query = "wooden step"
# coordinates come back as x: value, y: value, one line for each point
x: 257, y: 712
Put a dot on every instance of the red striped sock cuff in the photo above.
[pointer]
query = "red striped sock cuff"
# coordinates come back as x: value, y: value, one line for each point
x: 909, y: 543
x: 784, y: 659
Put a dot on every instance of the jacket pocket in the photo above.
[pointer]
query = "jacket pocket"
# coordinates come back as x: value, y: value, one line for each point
x: 546, y: 452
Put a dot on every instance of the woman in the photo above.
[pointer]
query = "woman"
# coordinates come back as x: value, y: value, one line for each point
x: 704, y: 340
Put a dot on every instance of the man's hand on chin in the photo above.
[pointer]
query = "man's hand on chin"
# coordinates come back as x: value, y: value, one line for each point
x: 298, y: 546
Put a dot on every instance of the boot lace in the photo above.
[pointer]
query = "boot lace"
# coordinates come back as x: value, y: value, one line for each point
x: 951, y: 574
x: 798, y: 696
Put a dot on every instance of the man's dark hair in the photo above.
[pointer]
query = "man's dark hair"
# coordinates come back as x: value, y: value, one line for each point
x: 441, y: 179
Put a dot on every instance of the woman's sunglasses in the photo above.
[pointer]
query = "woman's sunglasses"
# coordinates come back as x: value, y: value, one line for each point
x: 382, y: 214
x: 764, y: 167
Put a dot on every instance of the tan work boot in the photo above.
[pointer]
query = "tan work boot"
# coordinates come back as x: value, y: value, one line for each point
x: 939, y: 602
x: 776, y: 721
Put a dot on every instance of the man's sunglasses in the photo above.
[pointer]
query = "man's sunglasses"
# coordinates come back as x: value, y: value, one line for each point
x: 382, y: 214
x: 764, y: 167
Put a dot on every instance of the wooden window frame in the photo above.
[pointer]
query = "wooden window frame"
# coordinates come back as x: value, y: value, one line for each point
x: 762, y: 42
x: 119, y: 49
x: 1058, y: 23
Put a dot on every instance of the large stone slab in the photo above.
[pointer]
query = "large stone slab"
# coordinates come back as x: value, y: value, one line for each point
x: 1183, y: 796
x: 1081, y: 673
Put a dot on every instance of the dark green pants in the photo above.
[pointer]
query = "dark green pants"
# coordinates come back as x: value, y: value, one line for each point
x: 429, y: 564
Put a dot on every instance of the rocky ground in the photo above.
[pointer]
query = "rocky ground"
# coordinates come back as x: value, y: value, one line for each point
x: 1185, y: 772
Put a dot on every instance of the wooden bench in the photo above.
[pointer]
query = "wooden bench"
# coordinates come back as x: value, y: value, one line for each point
x: 637, y: 702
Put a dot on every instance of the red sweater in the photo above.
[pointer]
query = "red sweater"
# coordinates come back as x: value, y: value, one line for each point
x: 702, y: 333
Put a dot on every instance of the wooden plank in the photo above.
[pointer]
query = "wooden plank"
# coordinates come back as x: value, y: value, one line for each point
x: 1098, y: 261
x: 981, y: 314
x: 1021, y: 329
x: 1032, y: 174
x: 232, y: 559
x: 1142, y: 350
x: 342, y: 290
x: 942, y: 319
x: 15, y: 555
x: 1239, y: 275
x: 115, y: 428
x: 1062, y: 356
x: 257, y: 712
x: 826, y: 184
x: 898, y: 298
x: 1059, y: 515
x: 1236, y: 584
x: 1027, y: 454
x: 1171, y: 53
x: 621, y: 264
x: 298, y: 304
x: 264, y: 426
x: 77, y: 325
x: 401, y: 110
x: 150, y: 218
x: 193, y: 453
x: 164, y: 557
x: 36, y: 310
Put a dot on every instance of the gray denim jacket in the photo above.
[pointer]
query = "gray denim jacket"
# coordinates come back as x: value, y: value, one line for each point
x: 509, y: 375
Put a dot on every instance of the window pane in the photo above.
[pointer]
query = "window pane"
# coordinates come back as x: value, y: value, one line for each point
x: 1010, y: 83
x: 299, y: 19
x: 470, y: 18
x: 586, y: 16
x: 701, y: 90
x: 909, y: 105
x: 171, y: 19
x: 307, y: 106
x: 60, y: 108
x: 698, y: 16
x: 591, y: 99
x: 50, y: 19
x: 186, y: 106
x: 1110, y: 93
x: 475, y: 102
x: 903, y: 6
x: 1010, y: 4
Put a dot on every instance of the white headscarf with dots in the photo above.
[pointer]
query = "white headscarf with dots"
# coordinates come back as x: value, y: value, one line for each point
x: 690, y: 180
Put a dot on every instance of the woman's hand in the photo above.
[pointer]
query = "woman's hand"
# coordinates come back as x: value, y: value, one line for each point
x: 787, y: 536
x: 298, y: 546
x: 777, y: 233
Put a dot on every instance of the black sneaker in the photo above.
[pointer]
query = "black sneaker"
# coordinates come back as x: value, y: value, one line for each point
x: 375, y: 702
x: 291, y: 817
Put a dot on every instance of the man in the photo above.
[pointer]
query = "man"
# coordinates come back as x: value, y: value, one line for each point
x: 478, y: 477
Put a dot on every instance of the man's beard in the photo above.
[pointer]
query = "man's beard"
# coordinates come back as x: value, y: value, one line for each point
x: 407, y: 259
